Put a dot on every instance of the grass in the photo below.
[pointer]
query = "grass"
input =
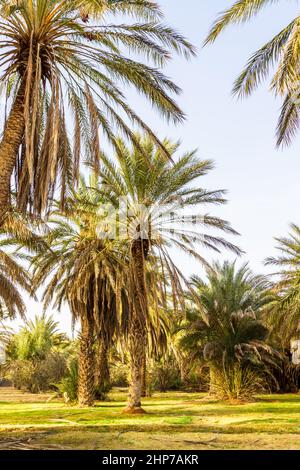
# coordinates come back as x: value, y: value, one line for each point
x: 173, y: 421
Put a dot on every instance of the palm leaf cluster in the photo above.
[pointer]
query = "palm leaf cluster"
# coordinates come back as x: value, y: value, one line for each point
x: 36, y: 340
x: 65, y: 66
x: 230, y: 330
x: 281, y: 53
x: 14, y: 276
x: 284, y: 312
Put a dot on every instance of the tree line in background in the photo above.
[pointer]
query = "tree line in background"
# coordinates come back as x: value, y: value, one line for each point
x: 63, y: 69
x: 234, y: 347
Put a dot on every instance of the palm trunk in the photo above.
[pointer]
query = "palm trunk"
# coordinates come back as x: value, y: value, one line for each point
x: 11, y: 140
x: 86, y: 386
x: 137, y: 328
x: 144, y: 375
x: 136, y: 350
x: 102, y: 375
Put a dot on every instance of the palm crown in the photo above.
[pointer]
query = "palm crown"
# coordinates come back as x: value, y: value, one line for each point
x: 284, y: 312
x: 36, y: 339
x: 62, y: 75
x: 83, y: 269
x: 162, y: 199
x: 229, y: 329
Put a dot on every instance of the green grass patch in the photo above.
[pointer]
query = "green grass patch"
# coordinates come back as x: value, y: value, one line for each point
x: 173, y: 421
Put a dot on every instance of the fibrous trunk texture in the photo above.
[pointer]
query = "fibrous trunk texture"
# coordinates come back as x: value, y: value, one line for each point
x: 86, y: 386
x: 11, y: 140
x: 102, y: 374
x: 137, y: 328
x: 144, y: 375
x: 136, y: 350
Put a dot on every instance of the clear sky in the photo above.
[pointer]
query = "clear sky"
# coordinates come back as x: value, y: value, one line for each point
x: 263, y: 183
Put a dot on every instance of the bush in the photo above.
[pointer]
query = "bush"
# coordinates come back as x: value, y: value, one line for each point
x: 21, y: 374
x: 286, y: 376
x: 165, y: 375
x: 101, y: 391
x: 38, y: 376
x: 68, y: 386
x: 237, y: 383
x: 119, y: 374
x: 198, y: 379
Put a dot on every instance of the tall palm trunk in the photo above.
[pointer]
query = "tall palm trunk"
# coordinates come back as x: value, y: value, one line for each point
x: 102, y: 374
x: 136, y: 350
x: 137, y: 327
x: 11, y: 140
x: 144, y: 375
x: 86, y: 386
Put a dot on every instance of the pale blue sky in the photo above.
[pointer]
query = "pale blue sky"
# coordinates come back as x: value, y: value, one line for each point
x: 262, y: 182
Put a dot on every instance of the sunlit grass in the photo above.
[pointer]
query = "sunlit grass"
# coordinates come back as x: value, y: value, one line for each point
x: 173, y: 420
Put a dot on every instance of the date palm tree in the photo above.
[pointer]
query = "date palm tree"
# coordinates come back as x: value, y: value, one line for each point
x: 63, y: 69
x: 157, y: 192
x: 229, y: 331
x: 87, y: 272
x: 281, y: 50
x: 37, y: 338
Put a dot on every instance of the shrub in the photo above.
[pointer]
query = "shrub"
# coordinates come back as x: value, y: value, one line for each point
x: 38, y: 376
x: 21, y: 374
x: 198, y: 379
x: 68, y: 386
x: 237, y: 383
x: 101, y: 391
x: 119, y: 374
x: 165, y: 375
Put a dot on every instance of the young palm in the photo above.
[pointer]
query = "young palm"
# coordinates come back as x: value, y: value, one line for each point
x: 282, y: 50
x: 87, y: 272
x: 36, y: 340
x: 284, y: 313
x: 157, y: 193
x: 229, y: 331
x: 62, y: 75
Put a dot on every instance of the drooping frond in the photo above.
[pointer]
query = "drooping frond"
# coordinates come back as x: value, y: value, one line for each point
x: 261, y: 63
x: 71, y: 67
x: 20, y: 237
x: 240, y: 12
x: 282, y: 53
x: 289, y: 119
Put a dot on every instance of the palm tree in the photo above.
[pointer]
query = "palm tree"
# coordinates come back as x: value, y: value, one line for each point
x: 157, y: 192
x: 282, y: 50
x: 229, y: 331
x: 158, y: 336
x: 36, y: 339
x: 107, y: 332
x: 61, y: 76
x: 87, y: 272
x: 284, y: 312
